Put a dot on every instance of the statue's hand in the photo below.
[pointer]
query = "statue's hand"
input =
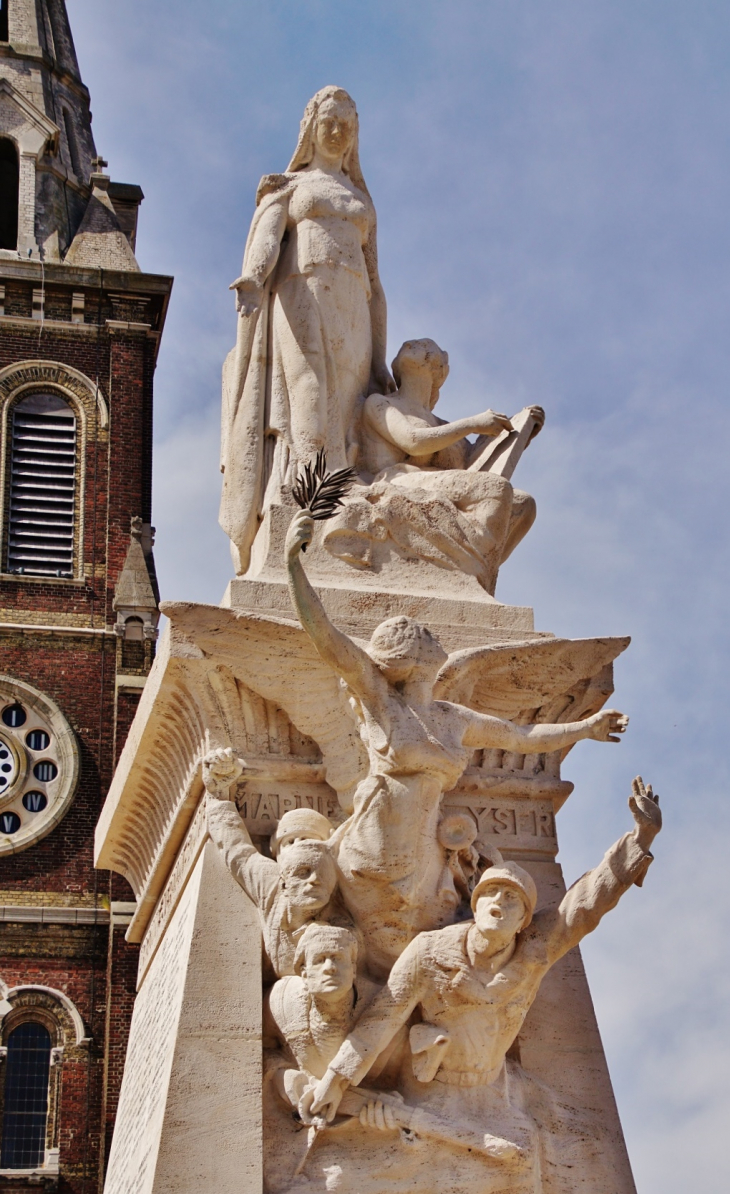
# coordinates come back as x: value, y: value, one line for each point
x: 607, y: 725
x: 221, y: 768
x: 646, y: 812
x: 538, y: 415
x: 489, y: 422
x: 376, y: 1114
x: 249, y: 294
x: 304, y: 1109
x: 328, y: 1095
x: 301, y: 529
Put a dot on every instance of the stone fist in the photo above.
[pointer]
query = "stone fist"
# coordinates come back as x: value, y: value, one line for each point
x: 376, y: 1114
x: 301, y: 529
x: 221, y: 769
x: 328, y: 1095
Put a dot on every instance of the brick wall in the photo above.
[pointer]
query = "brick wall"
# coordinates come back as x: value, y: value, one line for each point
x: 77, y: 666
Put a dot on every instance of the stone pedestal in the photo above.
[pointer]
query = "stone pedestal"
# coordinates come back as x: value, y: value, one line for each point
x: 191, y: 1104
x: 189, y: 1115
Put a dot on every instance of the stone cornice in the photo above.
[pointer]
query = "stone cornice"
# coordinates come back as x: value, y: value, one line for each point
x: 68, y: 275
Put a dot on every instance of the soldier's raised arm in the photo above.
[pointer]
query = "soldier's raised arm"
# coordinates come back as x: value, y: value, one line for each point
x: 624, y: 865
x: 257, y: 875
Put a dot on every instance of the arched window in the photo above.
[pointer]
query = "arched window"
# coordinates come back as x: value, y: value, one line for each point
x: 25, y: 1102
x: 8, y: 192
x: 4, y: 32
x: 42, y: 487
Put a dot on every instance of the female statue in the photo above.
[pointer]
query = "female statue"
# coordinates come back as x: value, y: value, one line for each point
x: 312, y: 320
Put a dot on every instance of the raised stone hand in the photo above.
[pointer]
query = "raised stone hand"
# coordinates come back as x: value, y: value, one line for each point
x: 607, y: 725
x: 644, y: 806
x: 538, y: 415
x: 221, y: 769
x: 299, y: 534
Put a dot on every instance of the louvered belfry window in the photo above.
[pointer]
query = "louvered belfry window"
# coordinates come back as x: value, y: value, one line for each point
x: 42, y: 487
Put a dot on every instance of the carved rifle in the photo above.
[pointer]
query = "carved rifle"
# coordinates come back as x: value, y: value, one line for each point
x: 415, y: 1119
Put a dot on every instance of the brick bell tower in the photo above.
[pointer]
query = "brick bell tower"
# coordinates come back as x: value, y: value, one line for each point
x: 80, y: 327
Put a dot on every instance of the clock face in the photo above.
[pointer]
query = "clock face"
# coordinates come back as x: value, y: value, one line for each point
x: 38, y: 765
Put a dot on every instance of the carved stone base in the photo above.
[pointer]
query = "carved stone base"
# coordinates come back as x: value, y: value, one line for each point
x: 391, y: 572
x: 454, y: 606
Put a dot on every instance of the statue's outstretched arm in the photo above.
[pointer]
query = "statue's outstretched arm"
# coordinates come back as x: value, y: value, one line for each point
x: 593, y: 895
x: 418, y: 438
x: 493, y: 732
x: 343, y: 655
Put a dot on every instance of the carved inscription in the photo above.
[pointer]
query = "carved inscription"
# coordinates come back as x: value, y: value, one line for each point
x: 513, y: 825
x: 149, y: 1058
x: 516, y: 822
x: 261, y: 804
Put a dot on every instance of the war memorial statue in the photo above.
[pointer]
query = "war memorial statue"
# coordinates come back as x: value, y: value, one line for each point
x: 359, y: 967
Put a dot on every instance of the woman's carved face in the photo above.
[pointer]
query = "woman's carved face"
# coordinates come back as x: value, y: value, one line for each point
x: 335, y: 128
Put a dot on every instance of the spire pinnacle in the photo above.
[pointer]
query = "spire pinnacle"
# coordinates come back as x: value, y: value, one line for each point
x: 47, y: 143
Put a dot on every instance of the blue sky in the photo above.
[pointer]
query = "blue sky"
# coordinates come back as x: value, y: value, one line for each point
x: 553, y: 190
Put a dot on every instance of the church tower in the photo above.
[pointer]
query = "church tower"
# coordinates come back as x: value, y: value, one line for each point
x: 80, y: 328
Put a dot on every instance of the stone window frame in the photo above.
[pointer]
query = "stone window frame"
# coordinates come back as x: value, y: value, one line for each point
x: 34, y: 134
x: 69, y: 1042
x: 21, y: 380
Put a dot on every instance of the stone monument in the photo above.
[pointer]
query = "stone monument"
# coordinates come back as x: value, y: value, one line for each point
x: 336, y: 805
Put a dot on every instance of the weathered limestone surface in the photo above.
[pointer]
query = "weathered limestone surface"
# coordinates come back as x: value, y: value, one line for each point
x: 355, y: 762
x: 191, y: 1094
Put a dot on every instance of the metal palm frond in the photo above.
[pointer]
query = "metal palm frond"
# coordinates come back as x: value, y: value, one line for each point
x: 320, y: 492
